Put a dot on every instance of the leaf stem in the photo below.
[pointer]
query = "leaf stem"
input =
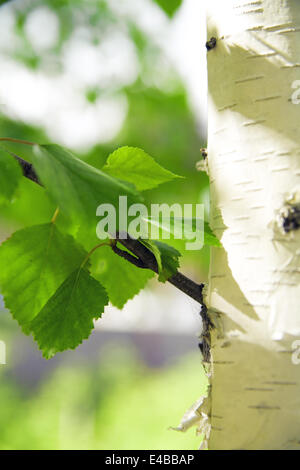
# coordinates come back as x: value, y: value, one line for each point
x: 53, y: 220
x: 17, y: 141
x: 91, y: 252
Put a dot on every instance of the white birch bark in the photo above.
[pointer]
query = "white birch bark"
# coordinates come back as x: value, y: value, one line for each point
x: 254, y: 170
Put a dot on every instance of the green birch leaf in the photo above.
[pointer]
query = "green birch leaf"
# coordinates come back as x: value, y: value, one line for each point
x: 67, y: 318
x: 151, y: 245
x: 182, y: 228
x: 166, y: 257
x: 10, y: 175
x: 136, y: 166
x: 34, y: 262
x: 76, y: 187
x: 170, y: 260
x: 121, y: 279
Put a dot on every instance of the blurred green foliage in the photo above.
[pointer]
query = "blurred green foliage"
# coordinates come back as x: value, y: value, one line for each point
x: 169, y: 6
x: 114, y: 404
x: 119, y: 403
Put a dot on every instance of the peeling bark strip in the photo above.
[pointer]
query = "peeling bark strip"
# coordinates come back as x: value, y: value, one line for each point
x: 255, y: 278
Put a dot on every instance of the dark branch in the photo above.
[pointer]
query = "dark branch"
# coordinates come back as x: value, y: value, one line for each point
x: 146, y: 259
x: 132, y: 259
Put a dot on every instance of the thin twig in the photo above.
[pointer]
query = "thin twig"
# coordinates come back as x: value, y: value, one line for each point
x: 16, y: 141
x: 146, y: 259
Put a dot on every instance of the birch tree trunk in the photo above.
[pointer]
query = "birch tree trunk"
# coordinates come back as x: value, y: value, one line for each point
x: 254, y: 170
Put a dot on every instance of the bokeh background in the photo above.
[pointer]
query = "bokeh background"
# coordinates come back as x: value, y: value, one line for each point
x: 94, y: 75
